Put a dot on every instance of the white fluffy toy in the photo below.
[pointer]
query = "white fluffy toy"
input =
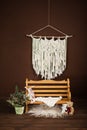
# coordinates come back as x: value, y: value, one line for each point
x: 68, y: 108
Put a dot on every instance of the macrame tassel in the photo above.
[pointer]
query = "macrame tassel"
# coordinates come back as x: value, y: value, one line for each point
x: 49, y: 57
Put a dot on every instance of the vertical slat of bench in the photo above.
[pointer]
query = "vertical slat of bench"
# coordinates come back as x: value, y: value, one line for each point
x: 26, y: 82
x: 69, y: 93
x: 27, y: 85
x: 26, y: 108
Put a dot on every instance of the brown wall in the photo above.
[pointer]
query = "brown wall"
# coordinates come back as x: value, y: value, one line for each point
x: 21, y: 17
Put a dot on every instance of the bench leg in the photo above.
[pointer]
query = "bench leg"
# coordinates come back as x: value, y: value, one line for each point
x: 26, y: 108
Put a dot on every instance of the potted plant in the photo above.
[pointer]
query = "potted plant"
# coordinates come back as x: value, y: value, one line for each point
x: 17, y: 100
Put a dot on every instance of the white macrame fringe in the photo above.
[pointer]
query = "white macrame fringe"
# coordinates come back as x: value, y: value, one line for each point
x: 49, y: 56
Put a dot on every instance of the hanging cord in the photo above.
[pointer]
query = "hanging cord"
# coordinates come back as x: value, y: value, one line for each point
x: 65, y: 35
x: 48, y: 12
x: 39, y: 30
x: 57, y: 30
x: 49, y: 26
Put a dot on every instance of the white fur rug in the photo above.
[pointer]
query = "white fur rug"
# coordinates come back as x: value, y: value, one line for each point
x: 45, y: 111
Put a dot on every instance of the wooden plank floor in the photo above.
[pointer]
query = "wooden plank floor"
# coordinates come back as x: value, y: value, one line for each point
x: 10, y: 121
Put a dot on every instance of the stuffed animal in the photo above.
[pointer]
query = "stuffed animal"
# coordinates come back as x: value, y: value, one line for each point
x: 70, y: 108
x: 64, y: 108
x: 67, y: 109
x: 30, y: 93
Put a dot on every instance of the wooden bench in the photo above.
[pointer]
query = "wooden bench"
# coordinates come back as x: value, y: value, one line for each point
x: 49, y: 88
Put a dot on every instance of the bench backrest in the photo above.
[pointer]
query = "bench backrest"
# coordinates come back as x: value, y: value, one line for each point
x: 53, y: 88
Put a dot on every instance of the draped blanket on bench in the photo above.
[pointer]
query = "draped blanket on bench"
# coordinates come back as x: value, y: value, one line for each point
x: 49, y: 101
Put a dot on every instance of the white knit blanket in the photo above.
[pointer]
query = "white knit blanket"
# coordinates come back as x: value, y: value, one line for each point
x: 49, y: 101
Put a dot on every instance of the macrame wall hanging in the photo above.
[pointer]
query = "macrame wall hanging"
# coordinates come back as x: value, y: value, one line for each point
x: 49, y: 55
